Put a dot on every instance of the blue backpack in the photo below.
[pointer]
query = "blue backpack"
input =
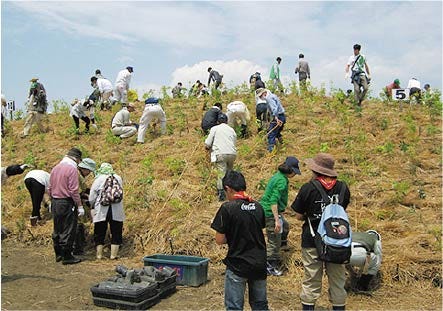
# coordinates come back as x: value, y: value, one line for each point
x: 334, y: 235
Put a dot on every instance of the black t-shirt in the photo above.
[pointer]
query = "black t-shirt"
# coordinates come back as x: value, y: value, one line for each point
x: 242, y: 222
x: 310, y: 203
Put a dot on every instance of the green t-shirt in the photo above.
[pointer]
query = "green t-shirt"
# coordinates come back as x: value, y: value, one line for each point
x: 276, y: 193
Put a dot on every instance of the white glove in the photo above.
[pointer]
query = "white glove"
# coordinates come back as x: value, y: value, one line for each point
x: 81, y: 211
x: 93, y: 213
x: 25, y: 166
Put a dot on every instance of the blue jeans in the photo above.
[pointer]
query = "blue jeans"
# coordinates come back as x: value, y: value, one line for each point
x: 235, y: 292
x: 275, y: 132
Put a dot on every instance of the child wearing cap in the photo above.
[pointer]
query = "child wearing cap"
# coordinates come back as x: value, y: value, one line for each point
x: 274, y: 202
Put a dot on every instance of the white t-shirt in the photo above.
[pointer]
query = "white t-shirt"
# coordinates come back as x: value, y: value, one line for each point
x: 413, y: 83
x: 104, y: 85
x: 41, y: 176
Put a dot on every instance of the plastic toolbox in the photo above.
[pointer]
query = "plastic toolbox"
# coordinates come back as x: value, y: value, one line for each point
x: 137, y: 292
x: 191, y: 270
x: 126, y: 305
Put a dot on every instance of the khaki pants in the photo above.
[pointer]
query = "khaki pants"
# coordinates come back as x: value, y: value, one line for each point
x: 33, y: 117
x: 358, y: 92
x: 275, y: 239
x: 224, y: 163
x: 124, y: 131
x: 312, y: 279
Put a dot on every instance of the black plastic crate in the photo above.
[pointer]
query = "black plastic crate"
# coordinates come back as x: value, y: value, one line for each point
x: 126, y: 305
x: 136, y: 292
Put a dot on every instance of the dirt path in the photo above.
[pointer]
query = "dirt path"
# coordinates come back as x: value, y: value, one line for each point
x: 32, y: 280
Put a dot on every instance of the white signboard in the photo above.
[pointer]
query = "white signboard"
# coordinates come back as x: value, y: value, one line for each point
x: 400, y: 94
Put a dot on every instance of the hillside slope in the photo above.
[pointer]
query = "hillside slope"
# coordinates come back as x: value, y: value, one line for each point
x: 391, y: 159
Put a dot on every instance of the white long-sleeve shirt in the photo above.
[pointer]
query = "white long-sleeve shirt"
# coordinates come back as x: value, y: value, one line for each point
x: 123, y: 78
x: 95, y: 196
x: 121, y: 118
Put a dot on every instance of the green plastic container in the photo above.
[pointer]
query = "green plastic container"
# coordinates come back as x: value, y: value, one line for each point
x: 191, y: 270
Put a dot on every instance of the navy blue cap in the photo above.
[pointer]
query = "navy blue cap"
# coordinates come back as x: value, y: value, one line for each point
x: 292, y: 162
x: 152, y: 100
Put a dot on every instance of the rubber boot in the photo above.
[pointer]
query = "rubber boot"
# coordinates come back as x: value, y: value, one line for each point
x: 33, y: 220
x: 99, y: 252
x: 114, y: 251
x: 80, y: 240
x: 307, y: 307
x: 58, y: 254
x: 338, y: 308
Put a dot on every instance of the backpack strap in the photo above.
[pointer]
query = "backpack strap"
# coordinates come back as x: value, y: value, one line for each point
x: 355, y: 62
x: 325, y: 196
x: 322, y: 191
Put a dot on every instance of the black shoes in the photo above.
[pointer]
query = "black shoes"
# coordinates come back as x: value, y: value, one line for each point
x: 70, y: 260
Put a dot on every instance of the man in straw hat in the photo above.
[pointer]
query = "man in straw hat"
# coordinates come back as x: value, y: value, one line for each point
x: 66, y: 205
x: 278, y: 118
x: 36, y: 108
x: 309, y: 204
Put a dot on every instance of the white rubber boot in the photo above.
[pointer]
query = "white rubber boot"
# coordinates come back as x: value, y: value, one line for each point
x: 114, y: 251
x: 99, y: 251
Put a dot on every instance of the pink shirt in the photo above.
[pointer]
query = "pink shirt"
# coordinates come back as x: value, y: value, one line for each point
x: 63, y: 181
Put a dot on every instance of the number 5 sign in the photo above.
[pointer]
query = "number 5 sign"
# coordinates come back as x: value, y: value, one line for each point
x: 400, y: 94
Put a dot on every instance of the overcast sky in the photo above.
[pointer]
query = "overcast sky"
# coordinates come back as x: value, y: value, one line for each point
x: 63, y: 42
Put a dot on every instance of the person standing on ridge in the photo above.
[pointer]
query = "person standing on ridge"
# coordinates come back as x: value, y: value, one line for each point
x: 358, y: 68
x: 275, y: 75
x: 122, y: 83
x: 215, y: 76
x: 303, y: 71
x: 37, y: 106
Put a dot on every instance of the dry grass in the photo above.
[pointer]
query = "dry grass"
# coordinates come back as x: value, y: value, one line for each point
x: 390, y: 158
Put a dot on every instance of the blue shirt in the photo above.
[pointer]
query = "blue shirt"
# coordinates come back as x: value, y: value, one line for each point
x: 274, y: 104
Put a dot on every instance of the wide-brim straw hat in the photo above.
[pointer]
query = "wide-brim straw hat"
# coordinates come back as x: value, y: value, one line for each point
x: 322, y: 163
